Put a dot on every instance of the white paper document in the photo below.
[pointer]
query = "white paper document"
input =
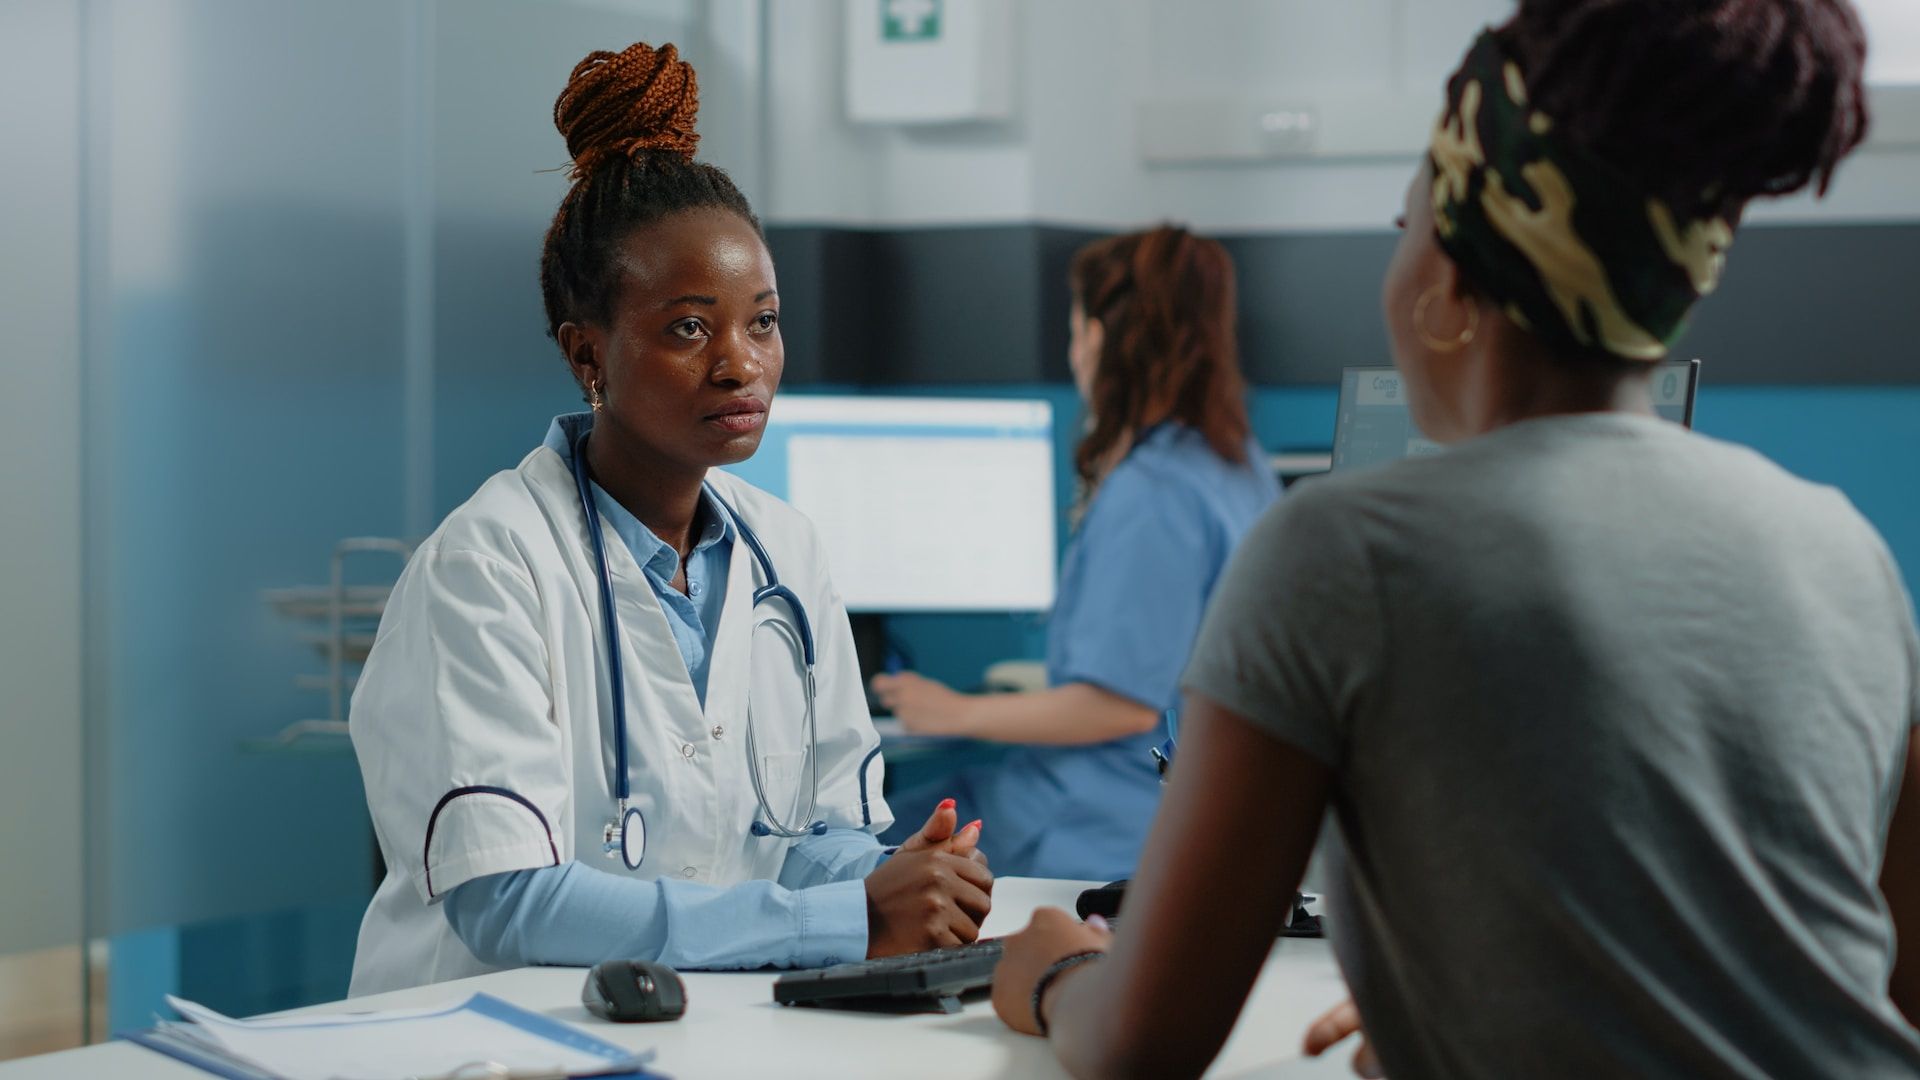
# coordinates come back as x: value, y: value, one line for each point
x: 483, y: 1036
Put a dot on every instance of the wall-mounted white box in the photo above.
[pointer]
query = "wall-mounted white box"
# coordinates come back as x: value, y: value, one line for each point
x: 929, y: 61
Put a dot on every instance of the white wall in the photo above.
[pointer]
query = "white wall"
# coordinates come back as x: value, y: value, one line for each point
x: 1087, y: 92
x: 1069, y: 155
x: 819, y: 168
x: 1894, y: 28
x: 40, y: 472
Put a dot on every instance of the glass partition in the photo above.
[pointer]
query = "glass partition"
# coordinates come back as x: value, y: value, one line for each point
x: 310, y: 324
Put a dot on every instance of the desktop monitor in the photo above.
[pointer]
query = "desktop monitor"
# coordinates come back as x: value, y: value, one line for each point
x: 922, y: 503
x: 1373, y: 425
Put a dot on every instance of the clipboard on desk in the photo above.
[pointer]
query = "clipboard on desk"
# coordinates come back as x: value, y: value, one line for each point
x: 482, y: 1037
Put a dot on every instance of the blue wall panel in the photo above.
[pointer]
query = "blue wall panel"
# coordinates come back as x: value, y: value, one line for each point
x: 1863, y: 440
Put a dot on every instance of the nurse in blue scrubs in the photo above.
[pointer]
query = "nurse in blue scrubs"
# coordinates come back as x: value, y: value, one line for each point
x: 1171, y: 480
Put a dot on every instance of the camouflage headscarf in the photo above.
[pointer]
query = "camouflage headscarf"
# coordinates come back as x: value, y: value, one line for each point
x: 1570, y: 248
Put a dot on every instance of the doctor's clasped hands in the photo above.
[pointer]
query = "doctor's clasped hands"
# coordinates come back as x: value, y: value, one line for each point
x: 933, y: 892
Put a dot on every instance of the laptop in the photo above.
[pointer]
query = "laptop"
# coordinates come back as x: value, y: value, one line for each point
x: 1374, y: 427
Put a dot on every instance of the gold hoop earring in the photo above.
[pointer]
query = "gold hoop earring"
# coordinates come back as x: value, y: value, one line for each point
x: 595, y: 398
x: 1443, y: 345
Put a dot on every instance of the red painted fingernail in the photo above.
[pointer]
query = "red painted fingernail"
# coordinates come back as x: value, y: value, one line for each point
x: 945, y: 804
x: 974, y: 824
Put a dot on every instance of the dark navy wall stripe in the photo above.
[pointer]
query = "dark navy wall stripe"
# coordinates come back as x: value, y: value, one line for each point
x: 1812, y: 304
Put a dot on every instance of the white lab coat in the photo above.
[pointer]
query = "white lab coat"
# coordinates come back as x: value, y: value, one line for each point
x: 480, y: 719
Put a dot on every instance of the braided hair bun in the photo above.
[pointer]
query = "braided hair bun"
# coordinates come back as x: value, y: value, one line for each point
x: 628, y: 121
x: 627, y: 103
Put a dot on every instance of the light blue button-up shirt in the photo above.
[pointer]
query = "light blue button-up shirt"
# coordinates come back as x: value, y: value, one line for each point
x: 814, y: 914
x: 694, y: 616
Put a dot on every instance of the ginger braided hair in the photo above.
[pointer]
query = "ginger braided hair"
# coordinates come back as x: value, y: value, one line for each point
x: 636, y: 100
x: 628, y: 119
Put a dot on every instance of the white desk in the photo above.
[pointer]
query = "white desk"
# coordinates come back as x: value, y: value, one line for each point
x: 733, y: 1028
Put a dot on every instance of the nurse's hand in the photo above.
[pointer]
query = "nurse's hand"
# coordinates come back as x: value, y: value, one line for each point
x: 926, y: 897
x: 925, y: 706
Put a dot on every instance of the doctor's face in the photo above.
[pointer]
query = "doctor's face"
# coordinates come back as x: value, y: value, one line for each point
x: 691, y: 353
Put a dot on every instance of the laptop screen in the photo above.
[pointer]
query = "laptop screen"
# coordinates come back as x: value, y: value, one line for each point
x: 1375, y: 427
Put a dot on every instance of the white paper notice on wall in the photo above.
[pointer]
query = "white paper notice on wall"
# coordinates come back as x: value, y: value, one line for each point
x: 929, y: 61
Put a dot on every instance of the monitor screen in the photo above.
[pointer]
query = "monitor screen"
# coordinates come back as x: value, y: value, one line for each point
x: 922, y: 503
x: 1375, y: 427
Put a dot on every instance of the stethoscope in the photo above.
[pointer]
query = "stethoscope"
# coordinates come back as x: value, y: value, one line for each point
x: 626, y: 835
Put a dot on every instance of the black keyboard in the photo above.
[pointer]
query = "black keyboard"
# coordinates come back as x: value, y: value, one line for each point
x: 912, y: 982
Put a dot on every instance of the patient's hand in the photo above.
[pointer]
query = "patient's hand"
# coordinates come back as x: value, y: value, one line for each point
x: 1051, y: 935
x: 925, y: 706
x: 1336, y: 1024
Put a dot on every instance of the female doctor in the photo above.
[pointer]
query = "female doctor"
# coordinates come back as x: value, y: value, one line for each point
x: 706, y: 791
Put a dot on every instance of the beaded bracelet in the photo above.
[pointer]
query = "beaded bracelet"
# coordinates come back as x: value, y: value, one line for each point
x: 1060, y: 967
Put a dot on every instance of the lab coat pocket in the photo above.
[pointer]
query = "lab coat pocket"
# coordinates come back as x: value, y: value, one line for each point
x: 780, y: 774
x: 781, y: 770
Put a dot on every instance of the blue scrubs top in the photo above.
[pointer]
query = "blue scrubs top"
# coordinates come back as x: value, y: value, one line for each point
x: 1133, y: 587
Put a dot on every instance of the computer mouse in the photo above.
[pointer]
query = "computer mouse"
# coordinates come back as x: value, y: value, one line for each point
x: 634, y: 991
x: 1103, y: 901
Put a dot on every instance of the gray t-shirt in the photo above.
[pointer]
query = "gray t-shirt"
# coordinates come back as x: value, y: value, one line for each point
x: 1617, y: 716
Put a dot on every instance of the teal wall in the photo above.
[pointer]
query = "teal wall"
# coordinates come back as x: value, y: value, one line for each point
x: 1863, y: 440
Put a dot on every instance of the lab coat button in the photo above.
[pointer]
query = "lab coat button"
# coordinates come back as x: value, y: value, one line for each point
x: 688, y: 872
x: 686, y: 751
x: 719, y: 730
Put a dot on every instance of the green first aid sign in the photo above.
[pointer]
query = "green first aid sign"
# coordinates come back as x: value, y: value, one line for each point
x: 910, y: 20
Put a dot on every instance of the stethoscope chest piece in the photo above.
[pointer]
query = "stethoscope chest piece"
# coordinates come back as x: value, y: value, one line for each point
x: 633, y: 839
x: 628, y: 839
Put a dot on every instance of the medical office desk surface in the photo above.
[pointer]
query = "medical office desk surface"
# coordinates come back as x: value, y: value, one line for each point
x: 733, y: 1028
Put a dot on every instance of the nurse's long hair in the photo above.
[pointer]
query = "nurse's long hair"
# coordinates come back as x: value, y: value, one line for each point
x: 628, y: 119
x: 1165, y: 301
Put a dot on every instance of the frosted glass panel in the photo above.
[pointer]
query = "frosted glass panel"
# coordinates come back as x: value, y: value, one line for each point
x: 313, y: 313
x: 250, y: 272
x: 41, y: 772
x: 246, y: 194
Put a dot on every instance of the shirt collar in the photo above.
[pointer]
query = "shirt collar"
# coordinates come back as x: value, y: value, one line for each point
x: 651, y: 552
x: 564, y: 432
x: 1160, y: 431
